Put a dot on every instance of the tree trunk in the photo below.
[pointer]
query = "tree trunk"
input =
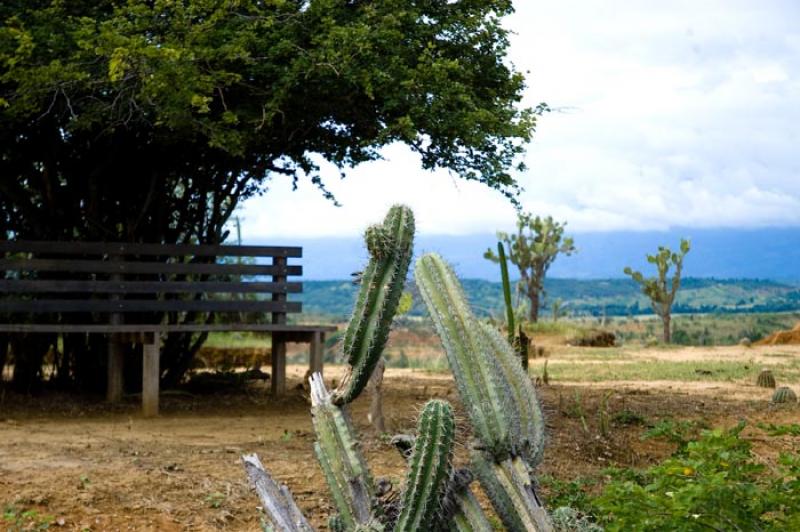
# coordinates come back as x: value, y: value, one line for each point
x: 533, y: 315
x: 376, y: 402
x: 3, y: 354
x: 667, y: 332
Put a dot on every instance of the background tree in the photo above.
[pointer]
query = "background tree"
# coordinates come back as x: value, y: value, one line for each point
x: 660, y: 290
x: 152, y: 120
x: 533, y: 249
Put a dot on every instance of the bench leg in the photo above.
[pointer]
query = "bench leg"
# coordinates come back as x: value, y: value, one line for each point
x: 278, y: 365
x: 317, y: 345
x: 151, y: 373
x: 115, y: 362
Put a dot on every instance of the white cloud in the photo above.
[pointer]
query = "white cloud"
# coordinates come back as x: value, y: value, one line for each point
x: 674, y: 114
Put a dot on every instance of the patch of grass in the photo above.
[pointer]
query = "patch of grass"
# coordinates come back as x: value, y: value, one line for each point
x: 629, y: 417
x: 237, y: 340
x: 18, y: 520
x: 659, y: 370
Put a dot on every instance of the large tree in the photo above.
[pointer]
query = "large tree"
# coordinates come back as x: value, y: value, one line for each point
x: 151, y: 120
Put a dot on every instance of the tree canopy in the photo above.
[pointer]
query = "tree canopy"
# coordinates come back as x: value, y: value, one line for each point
x: 117, y: 103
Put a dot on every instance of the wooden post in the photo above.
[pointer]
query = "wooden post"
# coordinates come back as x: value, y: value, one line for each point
x: 315, y: 357
x: 115, y: 362
x: 278, y: 342
x: 151, y: 373
x: 278, y: 364
x: 115, y: 355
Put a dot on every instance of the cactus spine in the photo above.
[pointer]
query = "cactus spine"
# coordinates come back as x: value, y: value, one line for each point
x: 784, y: 394
x: 498, y: 396
x: 340, y: 458
x: 766, y: 379
x: 390, y: 246
x: 429, y: 468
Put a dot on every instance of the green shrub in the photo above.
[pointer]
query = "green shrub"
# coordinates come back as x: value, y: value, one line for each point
x: 713, y: 483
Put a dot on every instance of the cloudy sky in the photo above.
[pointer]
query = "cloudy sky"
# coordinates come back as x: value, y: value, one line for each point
x: 679, y: 113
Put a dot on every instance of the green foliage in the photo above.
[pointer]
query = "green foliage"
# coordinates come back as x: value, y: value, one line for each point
x: 390, y: 246
x: 713, y: 483
x: 260, y: 86
x: 533, y: 249
x: 792, y: 429
x: 18, y: 520
x: 660, y: 290
x: 629, y: 417
x: 680, y: 432
x: 704, y: 303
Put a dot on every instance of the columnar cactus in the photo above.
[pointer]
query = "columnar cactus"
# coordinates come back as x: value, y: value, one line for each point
x: 499, y: 398
x: 429, y: 468
x: 339, y: 455
x: 390, y: 246
x: 765, y: 379
x: 784, y: 394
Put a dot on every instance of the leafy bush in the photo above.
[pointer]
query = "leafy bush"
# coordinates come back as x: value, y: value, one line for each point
x: 713, y: 483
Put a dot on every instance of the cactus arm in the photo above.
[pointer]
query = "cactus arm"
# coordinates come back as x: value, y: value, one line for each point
x: 478, y: 378
x: 469, y: 516
x: 429, y: 468
x: 340, y: 458
x: 506, y: 292
x: 509, y: 488
x: 460, y: 509
x: 529, y: 429
x: 390, y: 246
x: 276, y: 500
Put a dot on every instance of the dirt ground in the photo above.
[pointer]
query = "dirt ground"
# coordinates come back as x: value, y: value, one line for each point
x: 96, y: 467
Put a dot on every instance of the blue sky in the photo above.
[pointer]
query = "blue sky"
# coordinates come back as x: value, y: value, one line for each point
x: 667, y: 114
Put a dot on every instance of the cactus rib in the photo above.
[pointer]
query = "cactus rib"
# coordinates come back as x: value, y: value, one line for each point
x: 340, y: 457
x: 390, y: 246
x: 429, y: 468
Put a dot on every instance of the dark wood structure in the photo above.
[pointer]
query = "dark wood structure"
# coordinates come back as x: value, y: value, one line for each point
x: 127, y: 290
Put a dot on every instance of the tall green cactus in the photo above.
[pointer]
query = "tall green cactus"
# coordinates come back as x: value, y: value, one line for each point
x: 478, y: 378
x: 499, y: 398
x: 390, y: 246
x: 429, y: 469
x: 528, y: 423
x: 341, y: 460
x: 501, y: 254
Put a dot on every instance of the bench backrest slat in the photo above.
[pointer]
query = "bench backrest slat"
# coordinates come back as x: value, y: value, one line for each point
x: 104, y: 266
x: 122, y: 248
x: 143, y: 281
x: 141, y: 305
x: 22, y: 286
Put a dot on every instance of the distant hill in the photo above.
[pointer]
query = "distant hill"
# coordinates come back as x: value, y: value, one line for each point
x: 768, y: 253
x: 614, y: 297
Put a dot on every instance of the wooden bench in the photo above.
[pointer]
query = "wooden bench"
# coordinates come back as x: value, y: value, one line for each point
x: 128, y: 292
